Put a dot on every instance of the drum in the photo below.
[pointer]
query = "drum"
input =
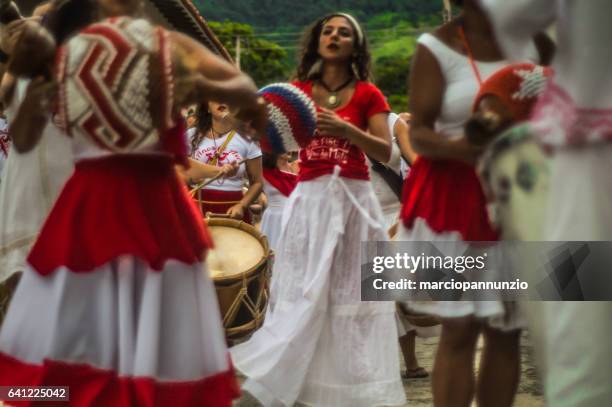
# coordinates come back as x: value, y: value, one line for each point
x: 239, y: 265
x: 515, y: 173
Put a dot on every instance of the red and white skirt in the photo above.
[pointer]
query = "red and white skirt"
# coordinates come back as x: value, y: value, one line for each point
x: 448, y: 197
x: 116, y: 303
x: 443, y: 201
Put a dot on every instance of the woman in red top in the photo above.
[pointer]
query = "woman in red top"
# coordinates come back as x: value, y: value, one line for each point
x: 320, y: 345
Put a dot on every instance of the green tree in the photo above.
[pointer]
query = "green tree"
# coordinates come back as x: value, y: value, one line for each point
x: 391, y: 76
x: 265, y: 61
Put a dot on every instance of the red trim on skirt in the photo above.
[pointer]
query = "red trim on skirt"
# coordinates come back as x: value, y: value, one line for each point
x: 216, y: 201
x: 448, y: 196
x: 121, y: 205
x: 90, y: 386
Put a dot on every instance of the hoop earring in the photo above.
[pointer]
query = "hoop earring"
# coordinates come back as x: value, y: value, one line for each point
x: 315, y: 69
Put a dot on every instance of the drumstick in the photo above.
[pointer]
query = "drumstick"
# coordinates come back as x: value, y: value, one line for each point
x: 216, y: 177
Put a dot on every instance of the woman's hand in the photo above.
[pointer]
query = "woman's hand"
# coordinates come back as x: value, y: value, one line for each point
x: 229, y: 170
x: 330, y: 124
x: 236, y: 212
x: 32, y: 115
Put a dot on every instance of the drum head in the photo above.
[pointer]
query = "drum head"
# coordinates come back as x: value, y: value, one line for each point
x: 235, y: 252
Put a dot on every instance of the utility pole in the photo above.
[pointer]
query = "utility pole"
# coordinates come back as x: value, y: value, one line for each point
x: 238, y: 51
x: 447, y: 12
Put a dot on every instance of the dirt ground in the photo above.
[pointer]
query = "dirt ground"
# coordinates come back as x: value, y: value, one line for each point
x: 418, y: 392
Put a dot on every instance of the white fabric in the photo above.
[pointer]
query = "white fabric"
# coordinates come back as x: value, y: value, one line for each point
x: 575, y: 336
x: 389, y: 202
x: 461, y: 83
x: 121, y: 317
x: 271, y: 220
x: 237, y: 149
x: 494, y: 312
x: 30, y: 185
x: 583, y: 55
x: 320, y: 345
x: 4, y: 144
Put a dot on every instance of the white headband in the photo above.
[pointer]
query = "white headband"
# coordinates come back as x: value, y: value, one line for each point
x: 354, y: 23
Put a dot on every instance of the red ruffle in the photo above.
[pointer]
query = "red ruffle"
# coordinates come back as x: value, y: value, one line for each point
x: 284, y: 182
x: 121, y: 205
x: 89, y: 386
x: 448, y: 196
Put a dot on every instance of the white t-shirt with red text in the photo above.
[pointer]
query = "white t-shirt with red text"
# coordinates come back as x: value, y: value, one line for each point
x: 236, y: 150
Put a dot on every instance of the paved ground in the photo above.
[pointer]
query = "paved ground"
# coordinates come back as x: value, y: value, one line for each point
x: 418, y: 392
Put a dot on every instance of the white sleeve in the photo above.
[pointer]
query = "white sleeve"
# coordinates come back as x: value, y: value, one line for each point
x: 253, y: 151
x: 517, y: 21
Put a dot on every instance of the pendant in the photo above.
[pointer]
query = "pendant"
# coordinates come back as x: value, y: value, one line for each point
x: 333, y: 101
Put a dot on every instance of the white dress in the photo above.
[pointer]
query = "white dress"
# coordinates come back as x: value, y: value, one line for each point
x: 389, y: 202
x: 319, y: 346
x: 30, y: 185
x: 272, y: 218
x: 574, y: 116
x: 461, y: 89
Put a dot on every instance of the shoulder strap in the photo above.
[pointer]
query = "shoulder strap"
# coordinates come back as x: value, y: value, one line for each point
x: 470, y: 55
x: 222, y: 148
x: 393, y: 180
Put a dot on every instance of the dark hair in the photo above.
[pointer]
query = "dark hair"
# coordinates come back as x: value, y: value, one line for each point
x: 310, y: 51
x: 458, y: 3
x: 268, y: 160
x: 204, y: 123
x: 68, y: 17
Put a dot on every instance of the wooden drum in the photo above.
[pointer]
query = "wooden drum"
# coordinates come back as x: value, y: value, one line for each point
x: 239, y: 266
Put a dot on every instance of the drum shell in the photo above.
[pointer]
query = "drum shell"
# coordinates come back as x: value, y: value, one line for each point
x: 243, y: 296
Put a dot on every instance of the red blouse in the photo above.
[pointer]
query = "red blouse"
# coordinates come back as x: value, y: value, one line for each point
x: 325, y: 152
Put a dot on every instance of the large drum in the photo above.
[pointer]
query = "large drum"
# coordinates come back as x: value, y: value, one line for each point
x: 515, y: 173
x: 239, y: 265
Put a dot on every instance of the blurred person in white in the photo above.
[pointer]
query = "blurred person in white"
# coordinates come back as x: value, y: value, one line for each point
x: 387, y: 177
x: 31, y: 181
x: 574, y: 119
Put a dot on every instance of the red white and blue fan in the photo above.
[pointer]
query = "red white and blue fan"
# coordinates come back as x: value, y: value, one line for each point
x: 292, y: 118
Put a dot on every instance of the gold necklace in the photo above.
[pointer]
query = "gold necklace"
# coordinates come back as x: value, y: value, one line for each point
x: 333, y: 100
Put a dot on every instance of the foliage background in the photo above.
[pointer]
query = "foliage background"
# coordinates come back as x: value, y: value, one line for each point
x: 270, y: 33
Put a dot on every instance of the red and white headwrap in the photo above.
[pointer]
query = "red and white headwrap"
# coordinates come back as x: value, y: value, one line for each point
x: 517, y: 86
x: 116, y: 84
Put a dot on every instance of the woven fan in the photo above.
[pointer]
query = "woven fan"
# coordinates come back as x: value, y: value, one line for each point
x: 292, y: 118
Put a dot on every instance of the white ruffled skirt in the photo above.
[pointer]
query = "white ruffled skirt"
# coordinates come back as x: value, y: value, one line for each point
x: 320, y: 345
x: 497, y: 313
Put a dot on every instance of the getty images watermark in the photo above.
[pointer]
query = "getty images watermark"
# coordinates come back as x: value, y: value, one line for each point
x: 486, y: 271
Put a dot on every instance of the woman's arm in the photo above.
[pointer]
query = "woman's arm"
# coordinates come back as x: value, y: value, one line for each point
x: 203, y: 76
x: 427, y: 86
x: 32, y: 115
x: 254, y: 172
x: 198, y: 171
x: 401, y: 130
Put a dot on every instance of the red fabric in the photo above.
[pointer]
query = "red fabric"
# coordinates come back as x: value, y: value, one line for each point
x: 118, y: 205
x: 174, y: 141
x: 325, y: 152
x: 285, y: 182
x: 93, y: 387
x: 448, y: 196
x: 507, y: 84
x: 217, y: 201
